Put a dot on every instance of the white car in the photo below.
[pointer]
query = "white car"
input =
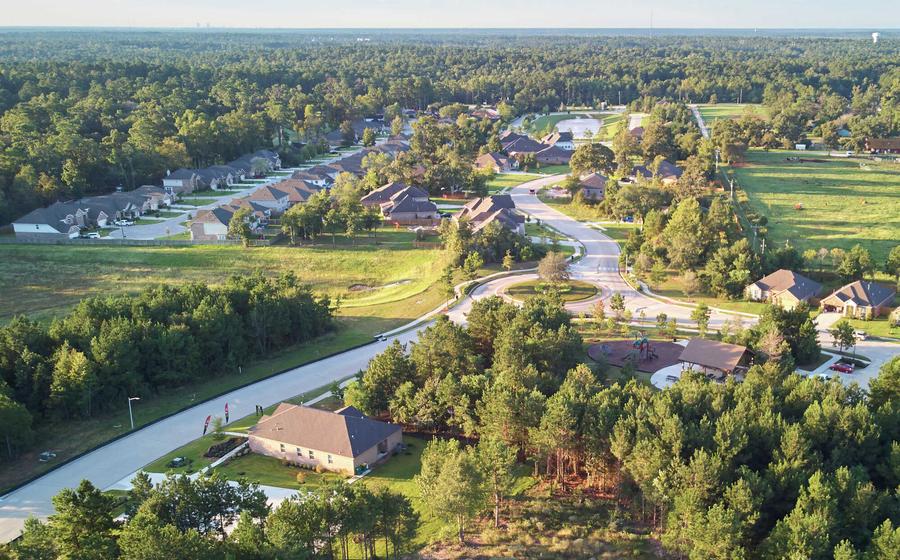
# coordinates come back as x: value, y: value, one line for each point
x: 825, y: 376
x: 91, y: 235
x: 860, y: 335
x: 124, y: 223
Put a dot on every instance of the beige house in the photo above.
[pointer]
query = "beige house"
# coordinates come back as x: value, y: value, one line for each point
x: 498, y: 162
x: 340, y: 441
x: 860, y: 299
x: 784, y: 288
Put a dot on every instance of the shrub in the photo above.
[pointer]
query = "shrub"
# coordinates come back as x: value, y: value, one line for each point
x: 320, y: 469
x: 301, y: 477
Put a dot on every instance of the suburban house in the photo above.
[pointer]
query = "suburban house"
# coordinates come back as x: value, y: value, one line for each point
x: 667, y: 172
x: 523, y: 145
x: 318, y: 178
x: 485, y: 113
x: 298, y: 191
x: 637, y: 132
x: 272, y: 198
x: 157, y: 196
x: 593, y: 187
x: 342, y: 441
x: 213, y: 224
x: 562, y: 140
x: 410, y: 206
x: 181, y: 181
x: 382, y: 194
x: 883, y: 145
x: 495, y: 161
x: 68, y: 219
x: 60, y: 219
x: 714, y: 358
x: 860, y: 299
x: 335, y: 138
x: 553, y: 155
x: 783, y: 288
x: 508, y: 138
x: 480, y: 212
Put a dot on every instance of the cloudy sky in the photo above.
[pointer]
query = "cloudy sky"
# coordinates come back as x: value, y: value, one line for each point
x: 865, y: 14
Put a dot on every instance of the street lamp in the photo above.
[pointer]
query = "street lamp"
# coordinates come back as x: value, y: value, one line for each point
x: 130, y: 415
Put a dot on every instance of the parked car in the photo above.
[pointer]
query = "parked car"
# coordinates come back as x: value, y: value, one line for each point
x: 841, y: 367
x: 91, y: 235
x: 672, y: 378
x: 124, y: 223
x: 825, y: 375
x: 860, y: 335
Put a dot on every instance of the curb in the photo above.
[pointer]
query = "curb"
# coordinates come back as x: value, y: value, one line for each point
x: 10, y: 490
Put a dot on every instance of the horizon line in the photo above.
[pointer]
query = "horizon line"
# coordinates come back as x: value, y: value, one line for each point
x: 465, y: 29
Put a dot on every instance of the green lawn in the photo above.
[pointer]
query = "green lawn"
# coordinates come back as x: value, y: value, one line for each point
x: 580, y: 212
x: 672, y: 288
x: 712, y: 113
x: 168, y: 214
x: 196, y: 201
x: 573, y: 290
x: 844, y: 201
x: 359, y: 274
x: 269, y: 471
x: 534, y: 230
x: 619, y: 231
x: 555, y: 169
x: 509, y: 180
x: 880, y: 327
x: 448, y: 201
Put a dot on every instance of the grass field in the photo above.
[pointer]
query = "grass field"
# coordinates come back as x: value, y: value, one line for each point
x: 357, y: 273
x: 580, y: 212
x: 509, y: 180
x: 196, y: 201
x: 845, y: 202
x: 554, y: 169
x: 269, y: 471
x: 712, y: 113
x: 574, y: 290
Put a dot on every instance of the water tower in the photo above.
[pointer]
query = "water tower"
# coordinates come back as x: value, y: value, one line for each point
x: 875, y: 37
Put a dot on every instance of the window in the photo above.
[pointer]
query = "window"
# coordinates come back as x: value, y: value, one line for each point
x: 282, y: 448
x: 329, y: 460
x: 299, y: 452
x: 383, y: 447
x: 311, y: 455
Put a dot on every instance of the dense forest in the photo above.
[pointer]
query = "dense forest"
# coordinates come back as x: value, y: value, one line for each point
x: 109, y: 348
x: 85, y: 111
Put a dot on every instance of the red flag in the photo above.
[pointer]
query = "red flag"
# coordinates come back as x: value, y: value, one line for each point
x: 206, y: 424
x: 226, y: 408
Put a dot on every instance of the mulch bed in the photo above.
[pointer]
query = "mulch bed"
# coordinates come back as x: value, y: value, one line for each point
x: 618, y: 351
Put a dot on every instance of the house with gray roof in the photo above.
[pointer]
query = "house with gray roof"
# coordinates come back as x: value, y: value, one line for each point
x: 784, y: 288
x: 182, y: 181
x: 345, y: 440
x: 667, y: 172
x: 480, y: 212
x: 383, y: 194
x: 410, y: 206
x: 593, y: 187
x: 860, y: 299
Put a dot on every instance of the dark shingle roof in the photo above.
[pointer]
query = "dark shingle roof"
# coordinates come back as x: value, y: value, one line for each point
x: 712, y: 354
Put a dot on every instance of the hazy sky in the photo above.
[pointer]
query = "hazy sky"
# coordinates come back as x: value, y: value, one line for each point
x: 880, y: 14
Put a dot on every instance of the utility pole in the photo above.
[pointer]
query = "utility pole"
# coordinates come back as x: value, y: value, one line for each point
x: 130, y: 415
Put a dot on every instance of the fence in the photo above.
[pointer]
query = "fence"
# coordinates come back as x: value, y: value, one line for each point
x: 106, y: 242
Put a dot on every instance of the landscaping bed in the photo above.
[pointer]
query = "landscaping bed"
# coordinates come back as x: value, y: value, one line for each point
x: 574, y: 290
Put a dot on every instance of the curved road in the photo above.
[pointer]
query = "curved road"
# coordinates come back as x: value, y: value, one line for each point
x: 114, y: 461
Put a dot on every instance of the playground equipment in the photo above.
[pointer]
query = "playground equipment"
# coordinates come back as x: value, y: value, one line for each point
x: 642, y: 349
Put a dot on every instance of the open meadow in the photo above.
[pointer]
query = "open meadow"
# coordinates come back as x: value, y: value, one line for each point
x: 712, y: 113
x: 842, y: 201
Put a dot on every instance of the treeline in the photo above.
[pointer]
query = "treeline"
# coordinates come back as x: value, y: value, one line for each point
x: 82, y: 112
x: 208, y: 518
x: 111, y: 348
x: 775, y: 466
